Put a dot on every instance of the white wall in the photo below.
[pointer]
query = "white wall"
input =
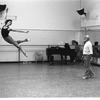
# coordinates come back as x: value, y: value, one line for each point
x: 47, y: 15
x: 92, y: 8
x: 44, y: 14
x: 56, y: 21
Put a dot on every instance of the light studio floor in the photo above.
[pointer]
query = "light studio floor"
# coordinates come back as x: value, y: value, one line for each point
x: 41, y: 80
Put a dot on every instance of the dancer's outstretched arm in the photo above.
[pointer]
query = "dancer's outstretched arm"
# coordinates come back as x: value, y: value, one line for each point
x: 18, y: 31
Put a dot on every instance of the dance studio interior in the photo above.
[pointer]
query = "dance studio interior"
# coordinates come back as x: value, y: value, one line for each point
x: 49, y: 70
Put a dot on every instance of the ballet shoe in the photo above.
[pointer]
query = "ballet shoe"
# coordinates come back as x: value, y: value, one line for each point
x: 26, y: 31
x: 26, y: 55
x: 27, y: 40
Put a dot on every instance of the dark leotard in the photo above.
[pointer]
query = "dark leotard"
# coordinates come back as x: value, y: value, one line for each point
x: 5, y: 32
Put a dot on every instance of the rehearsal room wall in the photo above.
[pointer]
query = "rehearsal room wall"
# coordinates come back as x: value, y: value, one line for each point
x: 48, y: 22
x: 92, y: 23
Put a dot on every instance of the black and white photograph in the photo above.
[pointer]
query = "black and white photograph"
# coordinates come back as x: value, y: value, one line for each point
x: 49, y: 49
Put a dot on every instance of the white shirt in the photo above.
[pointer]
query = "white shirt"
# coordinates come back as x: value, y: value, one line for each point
x: 87, y: 49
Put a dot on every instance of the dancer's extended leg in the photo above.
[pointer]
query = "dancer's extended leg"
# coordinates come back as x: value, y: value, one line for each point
x: 21, y: 41
x: 19, y: 47
x: 11, y: 41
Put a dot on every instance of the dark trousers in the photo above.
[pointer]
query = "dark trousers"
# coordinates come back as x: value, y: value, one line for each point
x: 87, y: 61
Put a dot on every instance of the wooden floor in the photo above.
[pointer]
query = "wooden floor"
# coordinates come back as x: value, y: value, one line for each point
x: 41, y: 80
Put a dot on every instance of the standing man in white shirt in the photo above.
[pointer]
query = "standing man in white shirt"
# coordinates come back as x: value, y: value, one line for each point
x: 87, y: 53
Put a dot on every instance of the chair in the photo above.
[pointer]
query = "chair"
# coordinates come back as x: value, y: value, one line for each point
x: 39, y: 56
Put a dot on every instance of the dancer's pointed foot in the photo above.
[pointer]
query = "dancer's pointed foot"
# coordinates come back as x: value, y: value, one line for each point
x: 26, y: 55
x: 26, y: 31
x: 26, y: 40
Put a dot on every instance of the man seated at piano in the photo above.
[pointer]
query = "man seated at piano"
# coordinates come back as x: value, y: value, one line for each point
x: 68, y: 51
x: 78, y: 51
